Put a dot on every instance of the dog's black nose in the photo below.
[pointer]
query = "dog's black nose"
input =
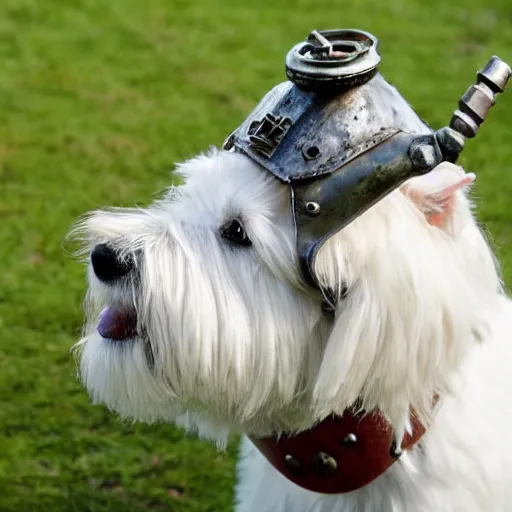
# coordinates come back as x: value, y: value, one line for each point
x: 107, y: 264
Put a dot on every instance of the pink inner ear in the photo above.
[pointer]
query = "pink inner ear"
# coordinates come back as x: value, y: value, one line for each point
x: 434, y: 194
x: 443, y: 201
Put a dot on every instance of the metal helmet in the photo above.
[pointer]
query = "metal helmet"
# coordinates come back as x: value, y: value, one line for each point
x: 342, y: 137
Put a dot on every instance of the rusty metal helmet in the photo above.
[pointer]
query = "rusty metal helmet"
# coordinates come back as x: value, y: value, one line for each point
x: 343, y: 138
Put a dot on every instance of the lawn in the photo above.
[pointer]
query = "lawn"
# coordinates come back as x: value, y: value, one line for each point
x: 98, y: 100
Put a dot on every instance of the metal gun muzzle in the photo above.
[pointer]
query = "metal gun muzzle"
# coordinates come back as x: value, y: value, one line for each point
x: 473, y: 108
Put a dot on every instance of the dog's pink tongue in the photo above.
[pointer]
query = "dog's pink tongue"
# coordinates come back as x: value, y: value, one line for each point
x: 118, y: 324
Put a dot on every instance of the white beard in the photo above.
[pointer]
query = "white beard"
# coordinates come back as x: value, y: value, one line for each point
x: 230, y: 340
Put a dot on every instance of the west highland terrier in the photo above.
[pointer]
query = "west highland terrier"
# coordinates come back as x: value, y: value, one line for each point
x: 320, y: 286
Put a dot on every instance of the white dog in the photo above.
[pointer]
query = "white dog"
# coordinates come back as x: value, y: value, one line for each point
x: 198, y: 314
x: 226, y: 330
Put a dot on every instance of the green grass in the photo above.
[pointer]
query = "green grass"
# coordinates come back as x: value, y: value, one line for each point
x: 98, y: 99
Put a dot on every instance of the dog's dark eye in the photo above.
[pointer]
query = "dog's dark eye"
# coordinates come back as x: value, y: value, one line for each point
x: 234, y: 232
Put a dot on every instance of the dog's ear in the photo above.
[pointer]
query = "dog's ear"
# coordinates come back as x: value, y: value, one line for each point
x: 434, y: 194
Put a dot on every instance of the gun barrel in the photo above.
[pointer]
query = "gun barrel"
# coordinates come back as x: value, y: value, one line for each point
x: 473, y: 108
x: 480, y: 97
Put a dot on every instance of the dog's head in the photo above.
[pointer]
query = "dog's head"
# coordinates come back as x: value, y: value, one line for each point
x: 196, y: 304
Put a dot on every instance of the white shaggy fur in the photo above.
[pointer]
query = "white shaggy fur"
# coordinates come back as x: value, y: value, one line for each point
x: 234, y: 342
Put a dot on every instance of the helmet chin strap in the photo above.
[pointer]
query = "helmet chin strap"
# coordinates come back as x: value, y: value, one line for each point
x: 331, y: 300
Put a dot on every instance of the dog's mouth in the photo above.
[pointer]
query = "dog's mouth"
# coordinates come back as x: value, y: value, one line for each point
x: 118, y: 323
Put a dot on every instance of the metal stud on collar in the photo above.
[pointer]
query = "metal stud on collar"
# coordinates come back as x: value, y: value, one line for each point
x: 293, y: 465
x: 395, y: 451
x: 350, y: 440
x: 324, y: 464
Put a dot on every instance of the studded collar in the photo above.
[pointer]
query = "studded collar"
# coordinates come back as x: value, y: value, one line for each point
x: 341, y: 454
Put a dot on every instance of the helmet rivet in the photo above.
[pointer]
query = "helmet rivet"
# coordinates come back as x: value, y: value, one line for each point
x: 310, y: 152
x: 312, y: 208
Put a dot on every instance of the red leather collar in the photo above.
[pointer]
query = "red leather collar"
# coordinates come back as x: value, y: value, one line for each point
x: 340, y: 454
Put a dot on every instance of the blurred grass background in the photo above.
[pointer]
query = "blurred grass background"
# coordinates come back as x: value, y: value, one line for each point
x: 98, y: 99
